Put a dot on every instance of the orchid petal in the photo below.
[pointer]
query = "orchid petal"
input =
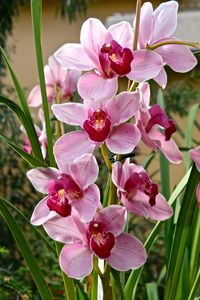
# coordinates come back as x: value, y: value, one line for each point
x: 40, y: 178
x: 76, y: 260
x: 92, y: 86
x: 70, y: 146
x: 195, y: 156
x: 41, y: 213
x: 198, y: 194
x: 127, y: 253
x: 144, y: 90
x: 35, y: 97
x: 55, y: 67
x: 161, y: 210
x: 70, y: 113
x: 146, y: 24
x: 73, y: 56
x: 117, y: 175
x: 122, y: 33
x: 161, y: 78
x: 84, y: 170
x: 165, y: 20
x: 123, y: 107
x: 146, y: 64
x: 136, y: 207
x: 49, y: 76
x: 87, y: 205
x: 123, y: 139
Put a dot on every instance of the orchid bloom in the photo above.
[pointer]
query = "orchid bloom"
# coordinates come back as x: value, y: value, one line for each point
x: 60, y: 84
x: 159, y: 26
x: 69, y: 188
x: 138, y: 193
x: 41, y: 134
x: 195, y: 156
x: 150, y: 120
x: 109, y: 53
x: 101, y: 122
x: 102, y: 237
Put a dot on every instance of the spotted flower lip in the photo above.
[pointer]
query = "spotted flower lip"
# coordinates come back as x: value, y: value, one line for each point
x: 102, y: 122
x: 69, y: 188
x: 137, y: 193
x: 150, y: 120
x: 159, y: 26
x: 103, y: 236
x: 108, y: 52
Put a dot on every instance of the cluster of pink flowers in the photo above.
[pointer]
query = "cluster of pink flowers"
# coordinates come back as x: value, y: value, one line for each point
x: 72, y: 211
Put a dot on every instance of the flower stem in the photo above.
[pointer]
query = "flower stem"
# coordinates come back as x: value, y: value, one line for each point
x: 174, y: 42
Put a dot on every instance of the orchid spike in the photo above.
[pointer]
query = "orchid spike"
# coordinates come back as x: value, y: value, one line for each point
x: 109, y: 53
x: 101, y: 122
x: 69, y: 188
x: 159, y: 26
x: 138, y: 193
x: 103, y: 237
x: 60, y: 84
x: 149, y: 120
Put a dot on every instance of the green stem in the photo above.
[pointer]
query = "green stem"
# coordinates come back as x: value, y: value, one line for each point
x: 174, y: 42
x: 104, y: 151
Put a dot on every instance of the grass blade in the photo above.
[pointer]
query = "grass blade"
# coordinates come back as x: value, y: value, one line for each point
x: 152, y: 291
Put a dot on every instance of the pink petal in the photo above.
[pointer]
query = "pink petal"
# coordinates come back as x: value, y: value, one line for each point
x: 41, y: 213
x: 70, y: 113
x: 123, y: 107
x: 128, y: 253
x: 92, y: 86
x: 195, y: 156
x: 92, y: 39
x: 49, y: 76
x: 87, y: 205
x: 114, y: 217
x: 198, y: 194
x: 70, y: 146
x: 146, y: 24
x: 76, y: 260
x: 63, y: 229
x: 145, y: 137
x: 123, y: 139
x: 84, y: 170
x: 73, y: 56
x: 161, y: 210
x: 40, y: 178
x: 122, y: 33
x: 137, y: 207
x: 146, y: 64
x: 117, y: 175
x: 69, y: 80
x: 165, y: 20
x: 35, y: 98
x: 178, y: 57
x: 161, y: 78
x: 145, y: 93
x: 55, y: 67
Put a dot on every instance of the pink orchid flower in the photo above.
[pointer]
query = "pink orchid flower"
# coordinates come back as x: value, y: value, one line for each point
x: 195, y: 156
x: 138, y: 193
x: 60, y: 84
x: 41, y: 134
x: 109, y: 53
x: 158, y: 26
x: 150, y: 120
x: 101, y: 122
x: 69, y: 188
x: 102, y: 237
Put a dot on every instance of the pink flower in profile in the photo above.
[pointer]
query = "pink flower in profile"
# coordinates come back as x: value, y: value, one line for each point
x: 101, y: 122
x: 159, y: 26
x: 195, y: 156
x: 41, y: 134
x: 69, y: 188
x: 60, y: 84
x: 102, y: 237
x: 149, y: 120
x: 138, y: 193
x: 109, y: 53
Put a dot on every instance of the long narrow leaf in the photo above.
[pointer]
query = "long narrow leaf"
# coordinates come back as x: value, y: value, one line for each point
x: 26, y: 252
x: 36, y: 8
x: 152, y: 291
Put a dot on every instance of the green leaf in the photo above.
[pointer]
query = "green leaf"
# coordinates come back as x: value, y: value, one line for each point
x: 30, y: 129
x: 32, y: 161
x: 181, y: 236
x: 26, y: 252
x: 25, y: 121
x: 131, y: 285
x: 94, y: 292
x: 36, y: 9
x: 152, y: 291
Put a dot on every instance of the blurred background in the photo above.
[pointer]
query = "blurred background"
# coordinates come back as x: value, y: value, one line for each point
x: 62, y: 22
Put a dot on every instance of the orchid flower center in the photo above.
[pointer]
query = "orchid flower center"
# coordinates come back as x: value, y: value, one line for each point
x: 62, y: 192
x: 101, y: 241
x: 158, y: 117
x: 98, y: 125
x: 115, y: 60
x: 140, y: 181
